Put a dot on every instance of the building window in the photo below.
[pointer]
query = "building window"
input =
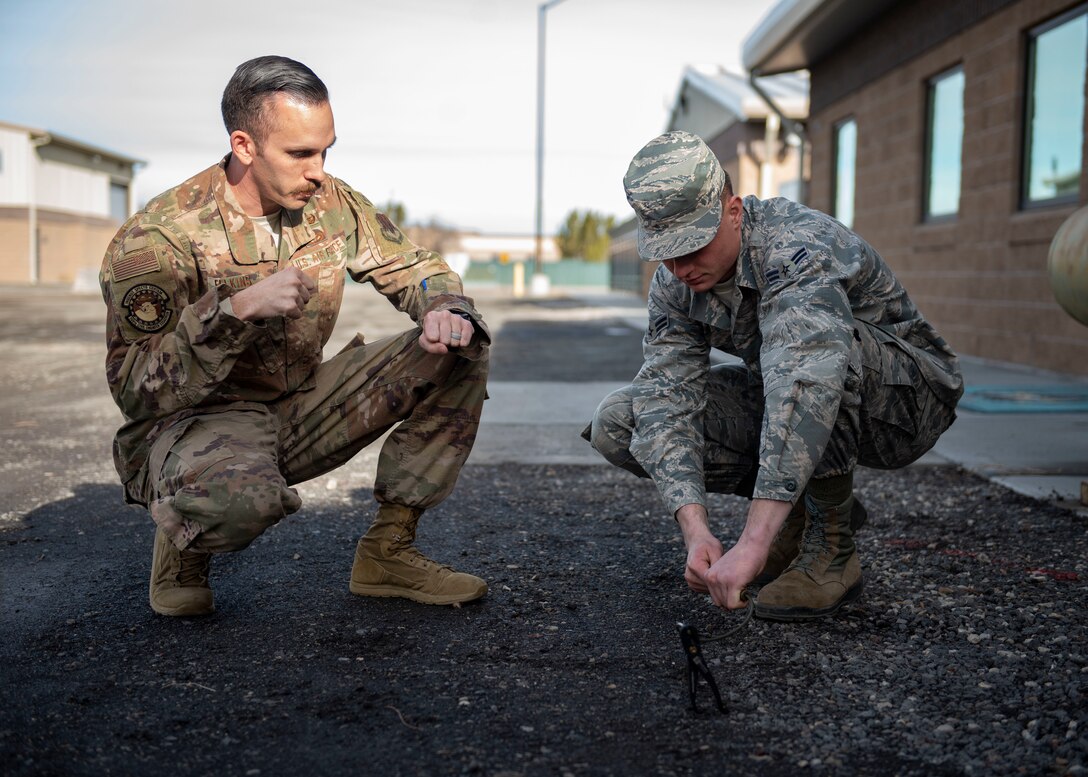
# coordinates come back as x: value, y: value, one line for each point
x: 118, y: 201
x: 944, y: 144
x: 846, y: 151
x: 1054, y: 120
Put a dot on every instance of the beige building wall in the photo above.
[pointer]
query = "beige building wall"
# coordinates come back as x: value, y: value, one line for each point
x: 14, y: 245
x: 982, y: 278
x: 741, y: 151
x: 70, y: 244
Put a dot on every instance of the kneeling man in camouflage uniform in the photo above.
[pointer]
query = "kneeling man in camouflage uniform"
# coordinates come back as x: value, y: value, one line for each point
x: 838, y: 369
x: 221, y: 294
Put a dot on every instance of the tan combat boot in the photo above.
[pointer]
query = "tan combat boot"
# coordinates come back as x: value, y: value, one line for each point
x: 785, y: 546
x: 386, y: 564
x: 826, y: 573
x: 179, y: 580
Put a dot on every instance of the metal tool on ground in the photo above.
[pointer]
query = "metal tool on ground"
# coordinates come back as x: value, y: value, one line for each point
x: 692, y: 644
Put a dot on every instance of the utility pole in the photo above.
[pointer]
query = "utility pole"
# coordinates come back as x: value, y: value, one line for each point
x: 540, y: 280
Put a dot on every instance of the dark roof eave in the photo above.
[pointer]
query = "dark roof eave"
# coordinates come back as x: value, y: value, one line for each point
x: 795, y: 34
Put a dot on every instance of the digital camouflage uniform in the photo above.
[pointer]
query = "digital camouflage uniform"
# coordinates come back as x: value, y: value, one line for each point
x: 838, y: 368
x: 223, y: 415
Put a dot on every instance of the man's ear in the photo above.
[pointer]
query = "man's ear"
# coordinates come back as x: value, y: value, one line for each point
x: 243, y: 147
x: 734, y: 209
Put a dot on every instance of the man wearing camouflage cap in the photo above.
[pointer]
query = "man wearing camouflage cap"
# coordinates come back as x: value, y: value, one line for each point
x: 221, y: 294
x: 838, y: 369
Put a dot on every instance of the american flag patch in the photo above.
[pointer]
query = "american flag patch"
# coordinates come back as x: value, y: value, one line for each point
x: 136, y: 263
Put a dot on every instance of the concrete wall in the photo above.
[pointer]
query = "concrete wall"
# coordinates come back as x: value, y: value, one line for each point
x: 980, y: 278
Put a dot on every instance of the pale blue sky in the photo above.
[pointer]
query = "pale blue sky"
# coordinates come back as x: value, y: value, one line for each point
x: 435, y: 100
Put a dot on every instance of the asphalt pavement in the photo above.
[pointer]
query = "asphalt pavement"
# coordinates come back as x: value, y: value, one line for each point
x: 964, y: 656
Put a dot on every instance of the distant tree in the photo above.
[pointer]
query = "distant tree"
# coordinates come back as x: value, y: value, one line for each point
x: 585, y: 235
x: 435, y: 236
x: 396, y: 212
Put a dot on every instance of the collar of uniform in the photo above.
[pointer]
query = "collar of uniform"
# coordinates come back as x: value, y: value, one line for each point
x: 241, y: 236
x: 707, y: 307
x: 751, y: 241
x: 298, y: 225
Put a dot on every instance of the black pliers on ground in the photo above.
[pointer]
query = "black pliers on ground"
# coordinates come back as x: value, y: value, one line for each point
x: 693, y: 649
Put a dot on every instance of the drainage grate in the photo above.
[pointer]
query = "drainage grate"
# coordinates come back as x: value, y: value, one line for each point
x: 1025, y: 399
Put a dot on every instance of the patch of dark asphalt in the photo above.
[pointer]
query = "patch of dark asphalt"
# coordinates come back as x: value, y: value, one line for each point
x: 596, y: 350
x: 965, y: 655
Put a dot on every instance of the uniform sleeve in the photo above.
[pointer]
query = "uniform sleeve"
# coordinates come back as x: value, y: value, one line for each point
x: 167, y: 347
x: 415, y: 280
x: 806, y: 326
x: 670, y: 402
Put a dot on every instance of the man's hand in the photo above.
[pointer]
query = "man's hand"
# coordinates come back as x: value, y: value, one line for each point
x: 729, y: 575
x: 284, y: 293
x: 703, y: 547
x: 443, y: 330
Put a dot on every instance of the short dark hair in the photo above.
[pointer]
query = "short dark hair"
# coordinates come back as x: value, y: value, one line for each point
x: 258, y: 79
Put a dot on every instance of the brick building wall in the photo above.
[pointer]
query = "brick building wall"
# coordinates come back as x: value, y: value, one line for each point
x: 982, y: 277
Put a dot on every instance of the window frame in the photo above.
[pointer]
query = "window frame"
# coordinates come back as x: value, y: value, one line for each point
x: 836, y: 128
x: 927, y: 160
x: 126, y: 187
x: 1031, y: 37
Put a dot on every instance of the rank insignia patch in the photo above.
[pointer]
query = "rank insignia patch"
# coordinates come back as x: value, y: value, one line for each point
x: 389, y: 229
x: 146, y: 307
x: 784, y: 269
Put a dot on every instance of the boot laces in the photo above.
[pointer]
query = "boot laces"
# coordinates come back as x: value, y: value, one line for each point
x: 416, y: 558
x: 402, y: 546
x: 192, y: 569
x: 813, y: 543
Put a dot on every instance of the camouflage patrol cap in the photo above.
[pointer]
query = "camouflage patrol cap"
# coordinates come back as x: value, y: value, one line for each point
x: 674, y: 185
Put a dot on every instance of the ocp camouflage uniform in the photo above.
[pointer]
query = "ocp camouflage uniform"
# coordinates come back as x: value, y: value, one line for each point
x: 839, y: 368
x: 223, y: 415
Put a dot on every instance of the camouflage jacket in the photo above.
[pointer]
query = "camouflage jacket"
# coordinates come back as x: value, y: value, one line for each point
x: 803, y: 281
x: 171, y: 345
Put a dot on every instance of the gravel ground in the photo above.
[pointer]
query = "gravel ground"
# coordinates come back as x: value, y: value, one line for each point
x: 965, y: 655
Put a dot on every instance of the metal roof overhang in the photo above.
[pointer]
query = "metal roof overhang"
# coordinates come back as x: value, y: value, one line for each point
x: 797, y: 33
x: 45, y: 136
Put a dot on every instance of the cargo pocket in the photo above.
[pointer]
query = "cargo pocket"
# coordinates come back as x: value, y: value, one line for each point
x: 270, y: 348
x: 189, y: 456
x: 891, y: 403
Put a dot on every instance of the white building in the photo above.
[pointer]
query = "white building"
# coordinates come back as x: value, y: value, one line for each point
x: 61, y: 201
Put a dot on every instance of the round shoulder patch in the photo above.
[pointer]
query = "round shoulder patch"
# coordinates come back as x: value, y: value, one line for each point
x: 146, y: 306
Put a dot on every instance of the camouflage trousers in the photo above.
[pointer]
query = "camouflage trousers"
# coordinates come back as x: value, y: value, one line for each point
x: 887, y: 418
x: 217, y: 480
